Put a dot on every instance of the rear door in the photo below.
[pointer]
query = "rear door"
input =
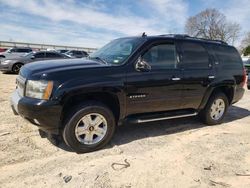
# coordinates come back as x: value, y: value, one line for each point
x: 158, y: 89
x: 197, y: 67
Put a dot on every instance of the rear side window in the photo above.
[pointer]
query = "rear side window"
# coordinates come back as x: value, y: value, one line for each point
x: 194, y: 56
x: 162, y: 56
x: 227, y: 55
x: 52, y: 55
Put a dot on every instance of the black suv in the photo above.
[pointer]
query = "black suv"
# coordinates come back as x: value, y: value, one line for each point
x: 134, y: 79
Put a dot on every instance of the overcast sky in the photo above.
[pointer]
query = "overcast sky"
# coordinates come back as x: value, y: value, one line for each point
x: 92, y: 23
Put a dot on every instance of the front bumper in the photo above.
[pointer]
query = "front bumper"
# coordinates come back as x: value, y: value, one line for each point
x: 44, y: 114
x: 5, y: 67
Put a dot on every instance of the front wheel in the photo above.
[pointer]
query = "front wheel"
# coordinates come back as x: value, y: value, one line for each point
x: 89, y: 127
x: 16, y: 68
x: 215, y: 109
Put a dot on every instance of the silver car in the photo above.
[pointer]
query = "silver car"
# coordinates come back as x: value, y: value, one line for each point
x: 14, y: 64
x: 15, y: 52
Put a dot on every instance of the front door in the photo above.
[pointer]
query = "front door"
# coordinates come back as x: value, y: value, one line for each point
x: 159, y: 88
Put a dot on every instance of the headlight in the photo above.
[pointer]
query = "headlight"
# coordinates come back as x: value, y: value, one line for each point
x: 39, y: 89
x: 6, y: 61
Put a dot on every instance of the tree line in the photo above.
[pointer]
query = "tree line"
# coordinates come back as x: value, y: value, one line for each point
x: 212, y: 24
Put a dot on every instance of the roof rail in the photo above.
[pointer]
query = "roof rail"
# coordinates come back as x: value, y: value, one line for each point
x: 195, y: 38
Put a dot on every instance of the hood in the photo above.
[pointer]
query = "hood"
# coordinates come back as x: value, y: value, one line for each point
x: 60, y: 65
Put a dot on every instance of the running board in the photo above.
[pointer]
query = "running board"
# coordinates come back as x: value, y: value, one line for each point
x: 161, y: 117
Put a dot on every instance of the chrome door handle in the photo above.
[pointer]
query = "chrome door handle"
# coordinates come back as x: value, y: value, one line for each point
x: 176, y: 79
x: 211, y: 77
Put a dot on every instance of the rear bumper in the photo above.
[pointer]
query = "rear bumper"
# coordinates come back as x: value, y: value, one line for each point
x: 238, y: 94
x: 44, y: 114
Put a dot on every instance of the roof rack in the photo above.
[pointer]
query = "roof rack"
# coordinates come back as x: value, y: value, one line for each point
x: 195, y: 38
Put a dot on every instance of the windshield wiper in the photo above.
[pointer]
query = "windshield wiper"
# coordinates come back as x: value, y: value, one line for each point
x: 99, y: 59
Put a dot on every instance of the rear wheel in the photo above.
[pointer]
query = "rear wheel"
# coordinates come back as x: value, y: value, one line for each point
x: 215, y: 109
x: 89, y: 127
x: 16, y: 68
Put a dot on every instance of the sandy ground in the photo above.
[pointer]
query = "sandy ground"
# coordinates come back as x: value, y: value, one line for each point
x: 176, y: 153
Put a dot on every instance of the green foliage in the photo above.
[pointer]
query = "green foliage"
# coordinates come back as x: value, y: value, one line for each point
x: 247, y: 51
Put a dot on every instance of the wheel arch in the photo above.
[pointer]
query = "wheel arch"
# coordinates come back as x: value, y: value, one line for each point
x: 228, y: 90
x: 109, y: 99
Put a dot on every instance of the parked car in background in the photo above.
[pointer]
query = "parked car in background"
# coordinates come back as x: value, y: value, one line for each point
x: 62, y: 51
x: 76, y: 54
x: 14, y: 64
x: 247, y: 65
x: 15, y: 52
x: 3, y: 49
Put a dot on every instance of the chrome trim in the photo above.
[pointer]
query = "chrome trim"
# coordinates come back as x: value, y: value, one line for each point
x: 166, y: 118
x: 176, y: 79
x: 211, y: 77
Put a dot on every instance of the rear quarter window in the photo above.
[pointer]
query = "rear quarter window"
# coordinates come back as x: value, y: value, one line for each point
x: 227, y: 56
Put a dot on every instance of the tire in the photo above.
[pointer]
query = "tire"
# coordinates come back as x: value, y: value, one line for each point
x: 213, y: 113
x: 83, y: 119
x: 16, y: 68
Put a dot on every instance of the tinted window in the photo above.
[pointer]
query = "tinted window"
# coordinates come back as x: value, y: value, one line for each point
x: 84, y: 53
x: 39, y: 55
x: 77, y: 53
x: 227, y: 55
x: 13, y: 50
x: 194, y: 56
x: 23, y: 50
x: 161, y: 56
x: 52, y: 55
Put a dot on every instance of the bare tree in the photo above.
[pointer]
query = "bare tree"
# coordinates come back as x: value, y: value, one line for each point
x: 245, y: 45
x: 212, y: 24
x: 246, y: 40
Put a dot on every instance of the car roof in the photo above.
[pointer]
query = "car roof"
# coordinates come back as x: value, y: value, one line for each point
x: 181, y: 37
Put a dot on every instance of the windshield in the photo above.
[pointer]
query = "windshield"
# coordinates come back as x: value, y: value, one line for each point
x: 29, y: 54
x: 117, y: 51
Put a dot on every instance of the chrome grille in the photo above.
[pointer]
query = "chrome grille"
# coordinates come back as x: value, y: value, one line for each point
x: 20, y: 81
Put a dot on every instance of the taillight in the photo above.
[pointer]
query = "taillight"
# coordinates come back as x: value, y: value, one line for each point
x: 244, y: 79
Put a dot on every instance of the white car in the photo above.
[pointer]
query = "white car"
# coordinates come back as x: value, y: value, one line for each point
x: 15, y: 52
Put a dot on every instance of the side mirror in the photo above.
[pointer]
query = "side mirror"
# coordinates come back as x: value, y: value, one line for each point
x: 32, y: 57
x: 142, y: 65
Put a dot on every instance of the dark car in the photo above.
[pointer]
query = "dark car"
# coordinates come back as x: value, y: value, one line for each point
x: 14, y: 64
x: 134, y: 79
x: 76, y: 54
x: 62, y: 51
x: 247, y: 65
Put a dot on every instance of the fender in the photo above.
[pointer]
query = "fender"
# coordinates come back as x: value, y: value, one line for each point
x: 84, y: 86
x: 214, y: 86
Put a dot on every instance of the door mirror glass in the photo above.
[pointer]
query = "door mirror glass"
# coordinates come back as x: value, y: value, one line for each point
x: 142, y: 65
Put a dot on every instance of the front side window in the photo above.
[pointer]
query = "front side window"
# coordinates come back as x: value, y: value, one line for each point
x: 12, y: 50
x: 161, y: 56
x: 194, y: 56
x: 39, y: 55
x: 52, y: 55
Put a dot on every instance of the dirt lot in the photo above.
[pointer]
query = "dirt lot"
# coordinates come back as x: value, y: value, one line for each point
x: 176, y: 153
